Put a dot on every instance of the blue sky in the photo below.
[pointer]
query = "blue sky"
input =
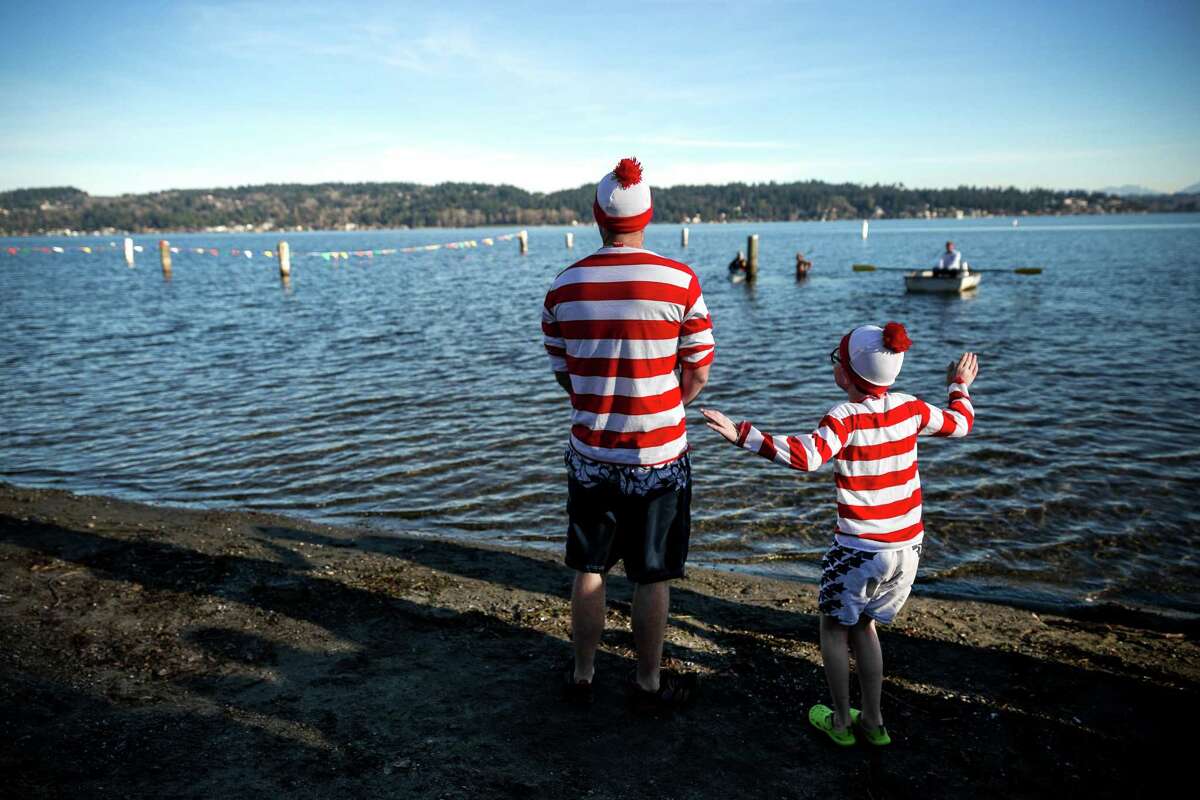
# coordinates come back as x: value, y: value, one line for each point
x: 127, y: 96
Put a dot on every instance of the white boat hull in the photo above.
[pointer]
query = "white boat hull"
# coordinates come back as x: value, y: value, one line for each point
x: 925, y: 281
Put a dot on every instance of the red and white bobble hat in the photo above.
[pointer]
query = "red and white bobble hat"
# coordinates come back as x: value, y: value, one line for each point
x: 873, y: 356
x: 622, y: 201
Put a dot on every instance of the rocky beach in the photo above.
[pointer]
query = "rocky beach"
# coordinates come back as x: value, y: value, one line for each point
x: 159, y: 652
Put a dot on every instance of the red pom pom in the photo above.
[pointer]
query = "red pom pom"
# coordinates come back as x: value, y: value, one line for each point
x: 895, y: 338
x: 628, y: 172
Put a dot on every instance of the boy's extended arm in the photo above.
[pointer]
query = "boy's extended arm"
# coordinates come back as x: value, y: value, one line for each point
x: 957, y: 420
x: 806, y: 452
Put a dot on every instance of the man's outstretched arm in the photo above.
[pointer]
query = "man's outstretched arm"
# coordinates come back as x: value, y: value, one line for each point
x: 564, y: 380
x: 556, y: 348
x: 696, y: 344
x: 691, y: 381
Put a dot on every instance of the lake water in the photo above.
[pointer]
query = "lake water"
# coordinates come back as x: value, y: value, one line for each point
x: 410, y: 392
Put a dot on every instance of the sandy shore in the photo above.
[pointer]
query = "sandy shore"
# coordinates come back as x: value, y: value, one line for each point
x: 158, y: 652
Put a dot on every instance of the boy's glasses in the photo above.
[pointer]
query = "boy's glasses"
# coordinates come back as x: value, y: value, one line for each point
x: 834, y: 358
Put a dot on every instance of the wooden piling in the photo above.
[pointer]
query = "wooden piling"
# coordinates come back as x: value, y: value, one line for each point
x: 285, y: 260
x: 570, y: 241
x: 128, y: 251
x: 683, y: 237
x: 164, y: 255
x: 752, y: 256
x: 523, y: 242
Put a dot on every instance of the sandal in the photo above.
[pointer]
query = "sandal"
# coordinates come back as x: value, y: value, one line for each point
x: 577, y: 693
x: 821, y: 717
x: 878, y: 737
x: 675, y: 692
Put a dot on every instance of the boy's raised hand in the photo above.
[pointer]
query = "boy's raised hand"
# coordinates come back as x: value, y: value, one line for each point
x: 720, y: 423
x: 965, y: 369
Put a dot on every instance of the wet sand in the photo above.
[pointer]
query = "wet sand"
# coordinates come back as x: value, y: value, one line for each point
x: 159, y: 652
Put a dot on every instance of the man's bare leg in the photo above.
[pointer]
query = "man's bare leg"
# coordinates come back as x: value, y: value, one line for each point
x: 587, y: 621
x: 651, y: 603
x: 868, y: 662
x: 836, y: 657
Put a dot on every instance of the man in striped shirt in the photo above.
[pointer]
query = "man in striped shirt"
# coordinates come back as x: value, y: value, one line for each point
x: 868, y: 572
x: 630, y: 340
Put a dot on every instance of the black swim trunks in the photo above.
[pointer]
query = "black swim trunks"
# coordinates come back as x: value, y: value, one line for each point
x: 638, y: 515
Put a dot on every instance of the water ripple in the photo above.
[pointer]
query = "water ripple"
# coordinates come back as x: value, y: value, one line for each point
x: 413, y: 393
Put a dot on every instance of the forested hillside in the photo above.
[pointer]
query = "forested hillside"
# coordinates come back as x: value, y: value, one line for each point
x: 393, y: 205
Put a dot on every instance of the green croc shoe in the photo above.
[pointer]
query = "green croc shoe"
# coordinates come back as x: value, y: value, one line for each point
x: 878, y: 737
x: 821, y: 717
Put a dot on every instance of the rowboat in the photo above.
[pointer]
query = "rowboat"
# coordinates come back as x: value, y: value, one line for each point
x: 925, y: 281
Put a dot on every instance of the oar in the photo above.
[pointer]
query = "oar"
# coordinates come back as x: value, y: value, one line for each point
x: 1016, y: 271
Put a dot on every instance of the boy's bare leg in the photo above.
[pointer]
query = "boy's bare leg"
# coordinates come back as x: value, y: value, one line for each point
x: 651, y: 602
x: 835, y: 655
x: 587, y: 621
x: 868, y: 660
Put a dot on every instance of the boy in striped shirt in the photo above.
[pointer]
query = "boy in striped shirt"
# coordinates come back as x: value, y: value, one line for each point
x: 868, y: 572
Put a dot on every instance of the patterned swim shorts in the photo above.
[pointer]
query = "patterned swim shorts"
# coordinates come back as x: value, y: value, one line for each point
x: 637, y: 515
x: 630, y: 480
x: 871, y: 582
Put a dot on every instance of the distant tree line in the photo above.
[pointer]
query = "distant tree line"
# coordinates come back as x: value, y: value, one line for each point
x: 393, y: 205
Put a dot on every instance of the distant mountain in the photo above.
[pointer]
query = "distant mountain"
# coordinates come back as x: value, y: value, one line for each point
x: 1193, y: 189
x: 1130, y: 190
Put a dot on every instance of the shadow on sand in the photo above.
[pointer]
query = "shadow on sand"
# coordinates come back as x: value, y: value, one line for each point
x: 285, y: 660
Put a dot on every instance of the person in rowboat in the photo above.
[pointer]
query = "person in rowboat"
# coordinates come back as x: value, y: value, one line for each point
x: 951, y: 263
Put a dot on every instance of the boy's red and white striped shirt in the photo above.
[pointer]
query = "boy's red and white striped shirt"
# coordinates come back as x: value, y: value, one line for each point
x: 874, y: 443
x: 619, y: 322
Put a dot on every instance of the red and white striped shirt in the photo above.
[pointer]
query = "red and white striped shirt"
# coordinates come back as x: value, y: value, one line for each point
x: 875, y: 444
x: 619, y: 322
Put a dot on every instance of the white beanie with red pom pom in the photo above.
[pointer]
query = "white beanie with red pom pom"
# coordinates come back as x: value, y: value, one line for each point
x: 873, y: 356
x: 622, y: 203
